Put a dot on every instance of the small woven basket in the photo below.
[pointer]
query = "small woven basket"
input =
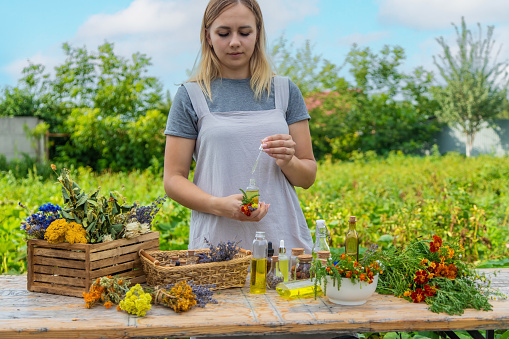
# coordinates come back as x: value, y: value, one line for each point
x: 224, y: 274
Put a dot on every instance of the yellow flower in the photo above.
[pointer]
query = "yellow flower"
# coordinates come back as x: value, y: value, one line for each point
x: 76, y: 233
x: 136, y: 301
x: 55, y: 233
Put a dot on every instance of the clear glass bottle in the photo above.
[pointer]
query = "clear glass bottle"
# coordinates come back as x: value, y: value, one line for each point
x: 284, y: 261
x: 298, y: 289
x: 174, y: 260
x: 192, y: 259
x: 259, y: 264
x: 352, y: 240
x: 270, y: 253
x: 274, y: 276
x: 293, y: 261
x: 303, y: 269
x: 320, y: 238
x: 253, y: 191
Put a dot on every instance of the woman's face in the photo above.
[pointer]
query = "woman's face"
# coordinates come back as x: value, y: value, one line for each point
x: 233, y: 37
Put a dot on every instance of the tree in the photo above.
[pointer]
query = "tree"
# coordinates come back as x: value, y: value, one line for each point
x: 108, y: 105
x: 308, y: 71
x: 476, y: 84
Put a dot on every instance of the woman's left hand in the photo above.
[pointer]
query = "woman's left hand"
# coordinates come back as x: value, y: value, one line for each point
x: 281, y: 147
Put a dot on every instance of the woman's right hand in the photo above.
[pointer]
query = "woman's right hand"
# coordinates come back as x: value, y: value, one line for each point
x: 230, y: 207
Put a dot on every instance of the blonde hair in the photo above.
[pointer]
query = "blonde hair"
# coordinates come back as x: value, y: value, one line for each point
x: 209, y: 66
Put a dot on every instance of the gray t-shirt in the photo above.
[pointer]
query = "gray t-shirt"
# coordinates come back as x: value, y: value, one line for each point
x: 229, y: 95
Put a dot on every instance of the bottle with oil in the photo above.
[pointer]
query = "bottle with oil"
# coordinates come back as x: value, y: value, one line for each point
x: 253, y: 191
x: 259, y: 264
x: 298, y: 289
x: 352, y: 240
x: 284, y: 261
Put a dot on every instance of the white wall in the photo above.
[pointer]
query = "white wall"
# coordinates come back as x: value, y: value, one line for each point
x: 14, y: 142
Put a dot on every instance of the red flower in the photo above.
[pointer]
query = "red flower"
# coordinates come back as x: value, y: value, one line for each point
x: 418, y: 295
x: 437, y: 240
x: 430, y: 291
x: 421, y: 277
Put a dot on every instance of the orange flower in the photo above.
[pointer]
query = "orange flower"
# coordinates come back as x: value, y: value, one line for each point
x: 407, y: 293
x: 452, y: 272
x: 349, y: 274
x: 451, y: 252
x: 53, y: 167
x: 424, y: 261
x: 108, y: 304
x: 343, y: 256
x: 442, y: 271
x: 362, y: 277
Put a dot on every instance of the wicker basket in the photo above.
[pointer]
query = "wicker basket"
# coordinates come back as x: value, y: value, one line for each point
x: 224, y: 274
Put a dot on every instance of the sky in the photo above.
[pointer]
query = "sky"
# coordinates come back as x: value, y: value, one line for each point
x: 168, y: 31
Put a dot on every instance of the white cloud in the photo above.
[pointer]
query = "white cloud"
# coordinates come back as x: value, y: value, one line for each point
x: 49, y: 61
x: 439, y: 14
x: 277, y: 14
x: 362, y: 38
x: 167, y: 31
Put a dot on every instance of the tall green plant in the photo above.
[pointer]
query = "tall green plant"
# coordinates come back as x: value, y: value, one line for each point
x: 476, y: 83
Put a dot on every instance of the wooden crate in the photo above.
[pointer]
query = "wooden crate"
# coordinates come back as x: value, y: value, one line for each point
x: 67, y: 269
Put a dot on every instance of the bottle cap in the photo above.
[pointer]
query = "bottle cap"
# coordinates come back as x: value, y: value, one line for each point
x: 320, y: 223
x: 352, y: 219
x: 323, y: 254
x: 305, y: 257
x: 270, y: 249
x: 282, y: 248
x: 190, y: 252
x: 275, y: 258
x: 297, y: 251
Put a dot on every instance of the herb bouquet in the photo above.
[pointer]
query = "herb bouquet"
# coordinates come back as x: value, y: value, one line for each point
x: 434, y: 272
x: 89, y: 217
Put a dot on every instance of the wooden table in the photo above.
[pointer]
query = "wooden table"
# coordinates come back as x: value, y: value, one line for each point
x: 25, y: 314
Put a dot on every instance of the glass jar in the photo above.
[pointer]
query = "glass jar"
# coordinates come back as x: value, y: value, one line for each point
x: 274, y: 276
x: 303, y: 269
x: 174, y: 260
x: 293, y: 261
x: 192, y: 259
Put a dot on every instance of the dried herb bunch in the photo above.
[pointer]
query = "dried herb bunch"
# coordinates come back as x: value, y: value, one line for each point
x: 224, y: 251
x: 432, y: 271
x: 109, y: 290
x: 182, y: 296
x: 100, y: 216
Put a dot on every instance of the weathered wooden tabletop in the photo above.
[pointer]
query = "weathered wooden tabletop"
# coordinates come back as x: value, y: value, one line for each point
x: 25, y: 314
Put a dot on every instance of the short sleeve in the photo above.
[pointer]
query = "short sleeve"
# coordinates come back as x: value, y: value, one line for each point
x: 182, y: 119
x: 297, y: 110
